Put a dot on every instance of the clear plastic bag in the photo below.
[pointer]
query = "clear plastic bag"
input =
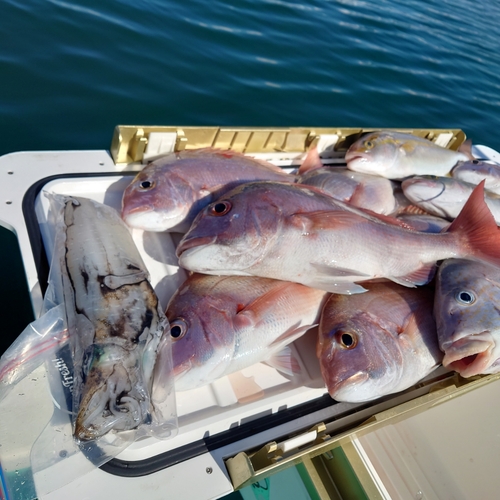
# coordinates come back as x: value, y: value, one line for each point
x: 64, y: 340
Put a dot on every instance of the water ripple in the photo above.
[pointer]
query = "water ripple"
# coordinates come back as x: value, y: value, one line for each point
x: 87, y: 66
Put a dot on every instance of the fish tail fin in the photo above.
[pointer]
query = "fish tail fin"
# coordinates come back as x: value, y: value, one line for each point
x: 479, y: 228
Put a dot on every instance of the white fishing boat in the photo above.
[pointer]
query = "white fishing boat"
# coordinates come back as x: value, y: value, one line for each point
x: 253, y: 424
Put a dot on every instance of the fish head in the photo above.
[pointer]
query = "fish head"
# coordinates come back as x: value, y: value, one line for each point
x: 474, y: 171
x: 359, y: 359
x: 233, y: 233
x: 374, y: 153
x: 203, y: 338
x: 160, y: 198
x: 468, y: 316
x: 113, y: 397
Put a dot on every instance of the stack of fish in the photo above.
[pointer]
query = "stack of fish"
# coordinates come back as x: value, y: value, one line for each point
x: 277, y: 257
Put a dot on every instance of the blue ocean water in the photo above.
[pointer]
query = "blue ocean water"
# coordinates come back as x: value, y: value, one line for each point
x: 72, y: 70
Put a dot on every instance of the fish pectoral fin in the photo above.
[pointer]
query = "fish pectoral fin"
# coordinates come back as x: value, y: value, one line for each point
x: 324, y: 220
x: 284, y: 361
x: 114, y: 282
x: 336, y: 271
x: 410, y: 327
x: 327, y: 279
x: 421, y: 276
x: 344, y: 288
x: 293, y: 333
x: 257, y: 310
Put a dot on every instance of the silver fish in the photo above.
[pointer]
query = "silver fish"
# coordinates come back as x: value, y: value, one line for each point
x: 468, y: 316
x: 445, y: 196
x: 397, y: 155
x: 377, y: 343
x: 114, y: 320
x: 222, y: 324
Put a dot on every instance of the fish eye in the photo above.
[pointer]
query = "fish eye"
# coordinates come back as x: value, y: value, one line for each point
x: 347, y: 340
x: 220, y: 208
x: 178, y: 328
x: 147, y: 185
x: 465, y: 297
x: 368, y: 144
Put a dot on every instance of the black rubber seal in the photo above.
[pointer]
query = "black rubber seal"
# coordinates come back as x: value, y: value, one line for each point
x: 137, y: 468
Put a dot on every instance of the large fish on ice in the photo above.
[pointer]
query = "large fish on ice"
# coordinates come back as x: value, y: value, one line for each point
x: 297, y: 233
x: 222, y: 324
x: 397, y: 155
x: 377, y: 343
x: 168, y: 193
x: 114, y: 320
x: 467, y: 315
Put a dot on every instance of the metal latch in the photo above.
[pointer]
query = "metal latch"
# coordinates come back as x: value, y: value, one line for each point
x: 243, y: 466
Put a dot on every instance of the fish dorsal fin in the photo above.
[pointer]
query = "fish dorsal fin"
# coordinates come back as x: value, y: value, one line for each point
x: 311, y: 162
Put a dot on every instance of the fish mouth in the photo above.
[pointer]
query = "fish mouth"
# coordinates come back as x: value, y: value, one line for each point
x: 471, y: 355
x: 357, y: 157
x: 147, y: 218
x: 350, y: 389
x: 186, y: 244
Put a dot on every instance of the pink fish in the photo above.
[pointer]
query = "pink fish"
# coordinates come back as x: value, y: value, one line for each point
x: 168, y: 193
x: 468, y: 317
x: 377, y: 343
x: 361, y: 190
x: 297, y: 233
x: 222, y: 324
